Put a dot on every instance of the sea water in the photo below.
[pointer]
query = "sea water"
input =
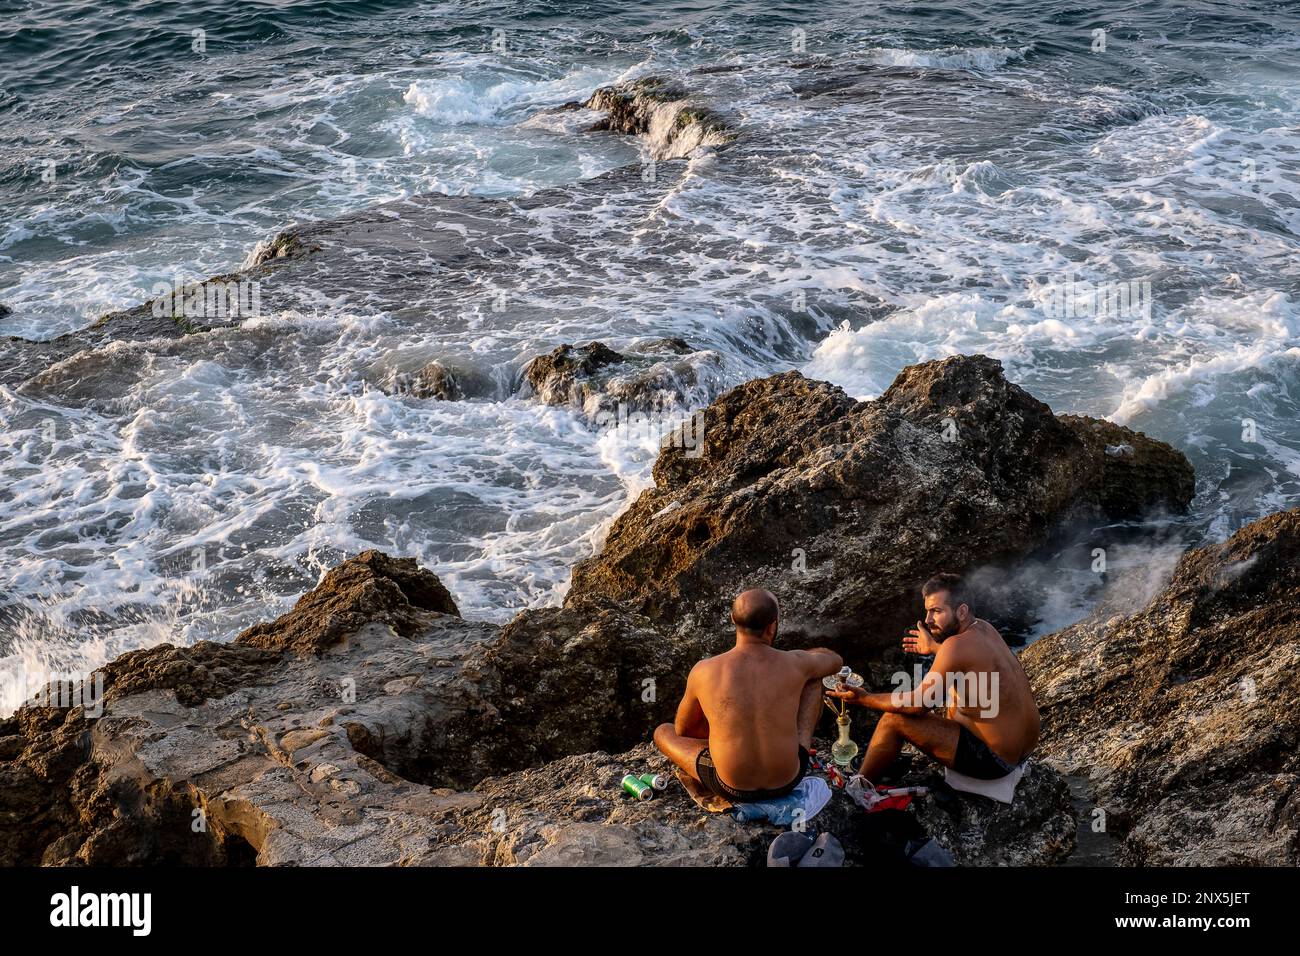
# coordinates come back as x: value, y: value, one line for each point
x: 1104, y: 199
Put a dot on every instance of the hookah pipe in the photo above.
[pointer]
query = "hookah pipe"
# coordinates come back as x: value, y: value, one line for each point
x: 837, y: 778
x: 844, y: 749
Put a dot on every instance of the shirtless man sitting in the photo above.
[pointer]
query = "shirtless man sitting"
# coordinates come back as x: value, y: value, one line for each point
x: 979, y: 738
x: 746, y: 721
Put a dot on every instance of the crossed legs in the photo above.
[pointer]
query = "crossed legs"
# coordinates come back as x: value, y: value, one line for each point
x: 684, y: 751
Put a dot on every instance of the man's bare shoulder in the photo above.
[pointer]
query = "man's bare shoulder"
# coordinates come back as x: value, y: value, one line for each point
x: 708, y: 665
x: 994, y: 643
x: 799, y: 657
x: 966, y: 650
x: 812, y: 662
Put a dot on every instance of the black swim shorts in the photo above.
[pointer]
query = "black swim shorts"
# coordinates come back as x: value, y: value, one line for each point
x: 707, y: 774
x: 975, y: 759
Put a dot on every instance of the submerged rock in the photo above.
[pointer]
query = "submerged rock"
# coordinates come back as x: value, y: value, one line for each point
x: 160, y: 325
x: 554, y: 376
x: 420, y: 253
x: 424, y: 372
x: 661, y: 112
x: 844, y: 508
x: 98, y: 378
x: 288, y: 244
x: 443, y: 380
x: 1182, y: 714
x: 658, y: 376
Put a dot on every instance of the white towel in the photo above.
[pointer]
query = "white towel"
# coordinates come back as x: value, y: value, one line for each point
x: 1002, y: 789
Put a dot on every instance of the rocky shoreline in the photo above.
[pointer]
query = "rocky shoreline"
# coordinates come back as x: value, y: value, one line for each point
x: 1179, y: 710
x: 372, y: 724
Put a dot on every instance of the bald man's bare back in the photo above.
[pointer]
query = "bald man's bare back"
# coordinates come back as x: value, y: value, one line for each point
x: 752, y: 707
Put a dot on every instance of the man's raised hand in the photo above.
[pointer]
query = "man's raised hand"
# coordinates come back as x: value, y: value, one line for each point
x: 919, y: 641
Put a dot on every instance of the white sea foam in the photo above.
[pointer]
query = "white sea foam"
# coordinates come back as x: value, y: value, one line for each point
x: 946, y: 58
x: 1268, y: 335
x: 489, y: 99
x: 865, y: 360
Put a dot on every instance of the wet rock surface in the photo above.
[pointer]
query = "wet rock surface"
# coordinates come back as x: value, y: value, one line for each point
x: 672, y: 124
x: 661, y: 375
x: 445, y: 380
x: 1180, y: 713
x: 156, y: 322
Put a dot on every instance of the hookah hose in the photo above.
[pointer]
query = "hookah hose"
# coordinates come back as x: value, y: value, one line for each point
x: 903, y: 791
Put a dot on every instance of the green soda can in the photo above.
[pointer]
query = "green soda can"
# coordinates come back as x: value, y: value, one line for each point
x: 655, y: 780
x: 638, y: 787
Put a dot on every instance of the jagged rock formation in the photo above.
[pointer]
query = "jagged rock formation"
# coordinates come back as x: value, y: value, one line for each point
x: 1182, y: 713
x: 191, y: 759
x: 843, y: 508
x: 372, y: 669
x: 663, y: 113
x: 658, y: 376
x: 369, y: 587
x: 280, y: 772
x: 310, y: 742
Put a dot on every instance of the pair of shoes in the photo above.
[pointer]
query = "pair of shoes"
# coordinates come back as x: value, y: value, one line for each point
x: 797, y: 849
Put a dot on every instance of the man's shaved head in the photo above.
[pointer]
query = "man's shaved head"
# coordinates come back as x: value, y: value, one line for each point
x: 754, y: 611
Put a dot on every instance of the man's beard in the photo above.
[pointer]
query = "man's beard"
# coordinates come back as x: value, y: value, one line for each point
x: 946, y: 632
